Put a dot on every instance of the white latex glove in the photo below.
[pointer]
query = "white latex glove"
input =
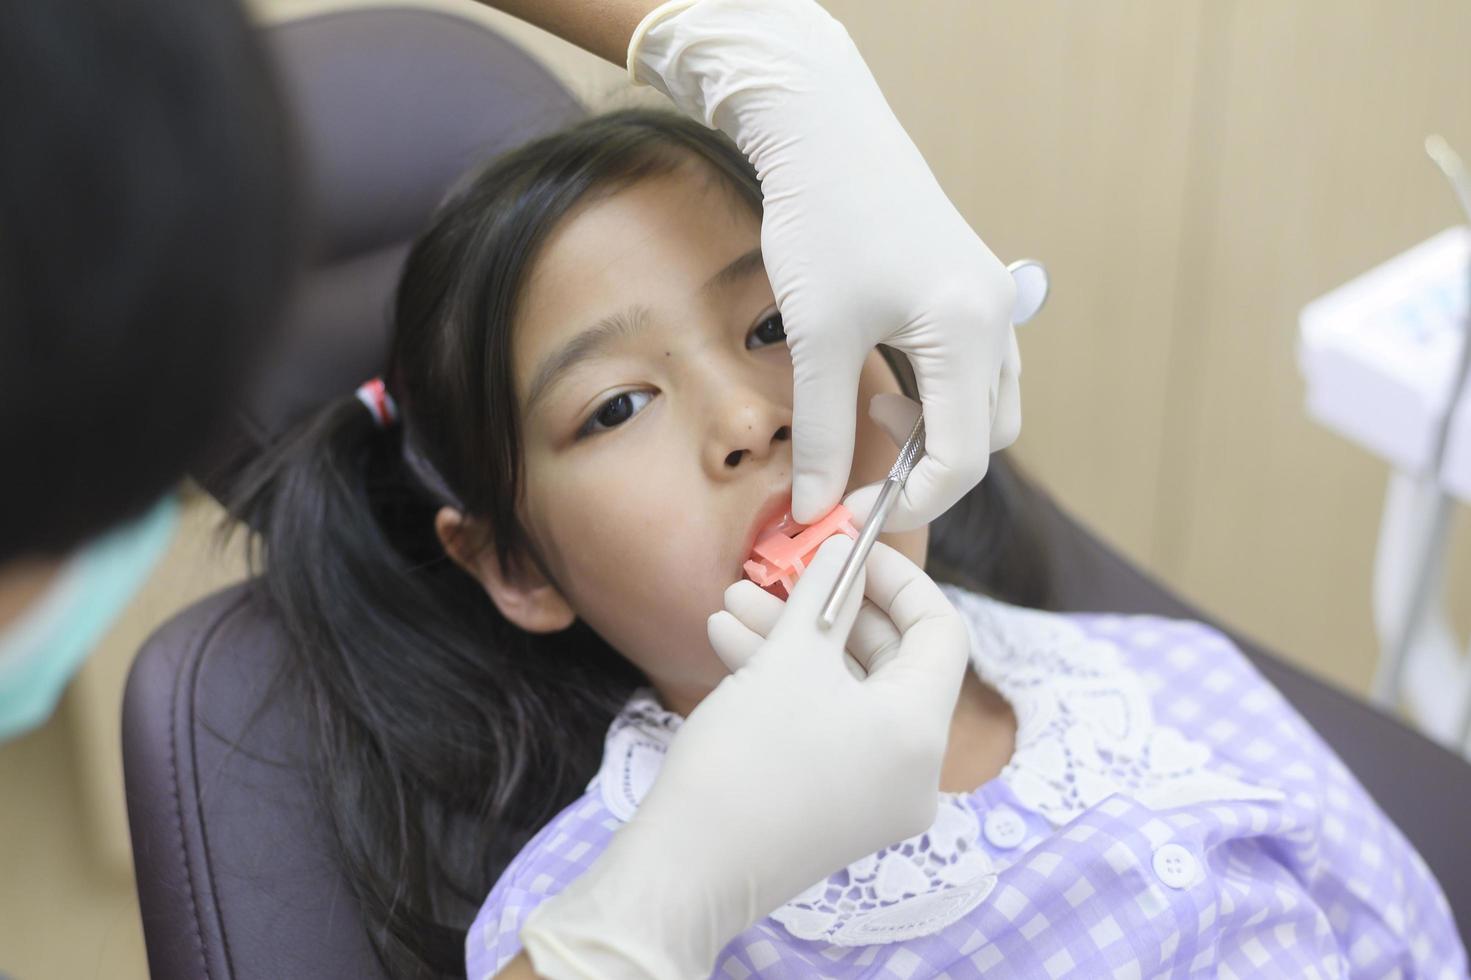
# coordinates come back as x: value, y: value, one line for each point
x: 861, y: 245
x: 791, y: 769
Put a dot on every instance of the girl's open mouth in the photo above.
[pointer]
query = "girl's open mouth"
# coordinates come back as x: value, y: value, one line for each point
x: 784, y: 547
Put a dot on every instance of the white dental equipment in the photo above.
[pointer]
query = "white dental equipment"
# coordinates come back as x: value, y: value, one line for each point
x: 1386, y: 363
x: 1032, y: 286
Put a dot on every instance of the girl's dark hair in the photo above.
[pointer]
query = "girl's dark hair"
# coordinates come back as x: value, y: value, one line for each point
x: 446, y: 736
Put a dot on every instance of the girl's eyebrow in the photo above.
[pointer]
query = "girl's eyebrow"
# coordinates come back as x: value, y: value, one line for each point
x: 587, y: 344
x: 622, y: 325
x: 737, y: 270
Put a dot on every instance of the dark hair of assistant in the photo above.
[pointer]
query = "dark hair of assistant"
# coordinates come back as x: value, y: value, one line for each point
x: 447, y: 736
x: 148, y: 236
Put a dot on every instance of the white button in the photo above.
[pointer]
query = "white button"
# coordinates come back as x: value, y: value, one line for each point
x: 1004, y: 827
x: 1175, y: 865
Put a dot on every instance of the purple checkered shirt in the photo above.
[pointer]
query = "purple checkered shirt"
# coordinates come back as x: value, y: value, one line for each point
x: 1165, y: 813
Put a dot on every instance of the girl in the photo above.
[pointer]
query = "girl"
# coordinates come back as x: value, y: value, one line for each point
x: 506, y: 595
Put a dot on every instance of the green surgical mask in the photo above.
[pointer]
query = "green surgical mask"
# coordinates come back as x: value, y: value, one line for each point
x: 41, y: 651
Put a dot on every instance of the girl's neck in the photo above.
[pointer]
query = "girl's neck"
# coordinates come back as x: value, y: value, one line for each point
x: 679, y: 700
x: 982, y: 737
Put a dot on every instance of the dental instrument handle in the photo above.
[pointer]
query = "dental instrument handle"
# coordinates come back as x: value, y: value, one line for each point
x: 888, y: 496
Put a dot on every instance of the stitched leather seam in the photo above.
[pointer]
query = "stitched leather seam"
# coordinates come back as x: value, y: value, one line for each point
x: 235, y: 609
x: 198, y: 647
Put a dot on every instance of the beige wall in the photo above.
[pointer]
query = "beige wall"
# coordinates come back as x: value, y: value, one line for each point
x: 1192, y: 171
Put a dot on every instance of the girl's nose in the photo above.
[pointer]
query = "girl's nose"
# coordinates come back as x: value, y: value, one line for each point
x: 747, y: 430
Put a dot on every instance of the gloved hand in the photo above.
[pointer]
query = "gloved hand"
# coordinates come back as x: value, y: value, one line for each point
x: 861, y: 245
x: 789, y: 770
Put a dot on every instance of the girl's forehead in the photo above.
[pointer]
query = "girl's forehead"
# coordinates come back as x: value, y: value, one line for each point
x: 653, y: 243
x: 683, y: 213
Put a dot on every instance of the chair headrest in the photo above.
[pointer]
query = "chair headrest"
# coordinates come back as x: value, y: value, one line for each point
x: 390, y: 105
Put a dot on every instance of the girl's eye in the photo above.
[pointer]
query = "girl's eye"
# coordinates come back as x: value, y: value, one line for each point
x: 616, y: 410
x: 768, y: 331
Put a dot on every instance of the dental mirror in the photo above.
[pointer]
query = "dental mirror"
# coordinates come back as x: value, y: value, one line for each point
x: 1031, y: 288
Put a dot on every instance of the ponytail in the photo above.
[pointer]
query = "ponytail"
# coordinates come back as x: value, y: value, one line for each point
x: 445, y: 736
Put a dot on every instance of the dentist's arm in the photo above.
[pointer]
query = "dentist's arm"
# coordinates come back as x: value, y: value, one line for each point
x: 861, y: 244
x: 602, y: 27
x: 706, y: 854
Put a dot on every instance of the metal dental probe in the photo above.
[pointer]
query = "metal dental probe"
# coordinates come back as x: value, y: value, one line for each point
x: 908, y: 456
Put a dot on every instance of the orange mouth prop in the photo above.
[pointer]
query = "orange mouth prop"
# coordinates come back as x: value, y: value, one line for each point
x: 782, y: 556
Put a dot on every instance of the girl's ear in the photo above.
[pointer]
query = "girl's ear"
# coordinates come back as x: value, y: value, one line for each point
x: 524, y: 596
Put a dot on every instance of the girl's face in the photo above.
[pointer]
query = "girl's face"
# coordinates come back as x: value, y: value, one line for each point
x: 655, y: 389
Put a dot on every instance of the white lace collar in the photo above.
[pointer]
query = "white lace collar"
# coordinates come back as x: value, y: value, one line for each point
x: 1085, y: 730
